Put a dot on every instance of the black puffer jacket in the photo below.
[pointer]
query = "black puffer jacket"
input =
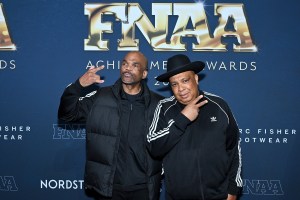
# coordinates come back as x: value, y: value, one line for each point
x: 100, y: 110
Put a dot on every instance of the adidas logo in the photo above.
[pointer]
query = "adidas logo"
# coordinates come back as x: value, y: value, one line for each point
x: 213, y: 119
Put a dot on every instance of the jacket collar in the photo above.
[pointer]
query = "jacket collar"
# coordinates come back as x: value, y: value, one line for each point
x: 117, y: 90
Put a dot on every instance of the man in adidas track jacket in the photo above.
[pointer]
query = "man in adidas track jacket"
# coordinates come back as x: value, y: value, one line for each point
x: 197, y: 136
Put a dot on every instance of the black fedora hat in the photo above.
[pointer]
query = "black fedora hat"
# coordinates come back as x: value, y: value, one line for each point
x: 180, y: 63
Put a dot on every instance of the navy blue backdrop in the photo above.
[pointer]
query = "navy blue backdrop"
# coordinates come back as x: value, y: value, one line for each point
x: 42, y: 160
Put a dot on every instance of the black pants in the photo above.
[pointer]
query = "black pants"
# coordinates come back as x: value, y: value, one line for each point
x: 141, y: 194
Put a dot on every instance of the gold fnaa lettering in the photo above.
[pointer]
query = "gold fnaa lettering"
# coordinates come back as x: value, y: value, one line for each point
x: 155, y: 36
x: 131, y: 16
x: 98, y: 27
x: 241, y: 29
x: 200, y: 31
x: 6, y: 43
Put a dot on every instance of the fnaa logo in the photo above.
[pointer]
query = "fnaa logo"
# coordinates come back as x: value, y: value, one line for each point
x: 6, y: 43
x: 262, y: 187
x: 68, y: 131
x: 8, y: 184
x: 231, y: 17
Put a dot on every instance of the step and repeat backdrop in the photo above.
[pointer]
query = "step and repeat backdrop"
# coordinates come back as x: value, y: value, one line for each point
x: 251, y: 51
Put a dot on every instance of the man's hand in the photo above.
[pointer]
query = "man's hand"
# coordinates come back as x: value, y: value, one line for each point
x: 90, y: 77
x: 191, y: 110
x: 231, y: 197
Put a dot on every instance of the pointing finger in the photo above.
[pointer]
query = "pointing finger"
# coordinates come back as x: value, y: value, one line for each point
x: 201, y: 103
x: 98, y: 79
x: 98, y: 68
x: 197, y: 99
x: 90, y: 68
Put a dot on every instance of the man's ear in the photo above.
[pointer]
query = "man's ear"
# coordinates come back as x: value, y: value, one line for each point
x: 197, y: 78
x: 145, y: 73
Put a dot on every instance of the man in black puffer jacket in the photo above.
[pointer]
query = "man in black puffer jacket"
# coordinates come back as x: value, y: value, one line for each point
x: 117, y: 119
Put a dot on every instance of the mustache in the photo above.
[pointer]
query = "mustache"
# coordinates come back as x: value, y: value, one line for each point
x: 130, y: 74
x: 127, y: 73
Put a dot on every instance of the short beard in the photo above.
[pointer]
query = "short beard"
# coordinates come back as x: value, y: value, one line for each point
x: 131, y: 83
